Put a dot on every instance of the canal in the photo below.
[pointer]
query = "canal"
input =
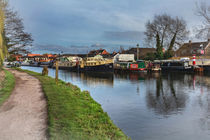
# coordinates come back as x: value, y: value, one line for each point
x: 167, y: 106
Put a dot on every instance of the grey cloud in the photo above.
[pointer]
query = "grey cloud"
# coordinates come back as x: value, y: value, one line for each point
x: 82, y: 23
x: 126, y: 35
x: 97, y: 45
x: 73, y: 49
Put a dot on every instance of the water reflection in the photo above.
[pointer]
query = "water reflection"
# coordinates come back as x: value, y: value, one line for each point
x: 95, y: 79
x: 166, y: 100
x: 202, y: 101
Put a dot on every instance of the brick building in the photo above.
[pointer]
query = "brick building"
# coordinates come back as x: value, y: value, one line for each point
x: 142, y: 52
x: 197, y: 48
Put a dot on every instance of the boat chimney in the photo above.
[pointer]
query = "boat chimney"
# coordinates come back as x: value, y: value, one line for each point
x: 190, y: 43
x: 137, y: 51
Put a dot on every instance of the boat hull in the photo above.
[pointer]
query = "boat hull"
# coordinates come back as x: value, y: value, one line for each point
x: 98, y: 68
x: 176, y: 68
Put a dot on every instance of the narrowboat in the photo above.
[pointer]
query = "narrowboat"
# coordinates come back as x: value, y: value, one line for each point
x: 25, y: 63
x: 175, y: 65
x: 153, y: 67
x: 138, y: 66
x: 66, y: 63
x: 96, y: 64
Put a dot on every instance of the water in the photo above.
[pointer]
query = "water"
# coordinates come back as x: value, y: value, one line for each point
x: 167, y: 106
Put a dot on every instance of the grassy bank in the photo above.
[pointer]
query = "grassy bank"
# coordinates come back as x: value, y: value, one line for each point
x: 73, y: 114
x: 7, y: 86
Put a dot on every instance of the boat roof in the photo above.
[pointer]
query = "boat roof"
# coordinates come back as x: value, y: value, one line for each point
x: 162, y: 61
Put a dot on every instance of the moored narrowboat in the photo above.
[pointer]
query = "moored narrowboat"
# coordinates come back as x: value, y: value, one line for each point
x: 96, y: 64
x: 175, y: 65
x: 138, y: 66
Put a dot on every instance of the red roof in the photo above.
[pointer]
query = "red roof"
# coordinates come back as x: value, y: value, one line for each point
x: 50, y: 55
x: 32, y: 55
x: 17, y: 55
x: 100, y: 51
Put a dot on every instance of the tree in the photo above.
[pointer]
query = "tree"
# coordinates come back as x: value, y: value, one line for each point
x: 15, y: 37
x: 150, y: 56
x: 166, y: 32
x: 203, y: 10
x: 159, y: 48
x: 3, y: 48
x: 122, y: 49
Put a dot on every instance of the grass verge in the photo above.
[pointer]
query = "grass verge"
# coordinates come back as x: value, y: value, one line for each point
x: 7, y: 86
x: 73, y: 114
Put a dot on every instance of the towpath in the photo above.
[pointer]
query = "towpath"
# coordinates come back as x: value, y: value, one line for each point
x: 2, y: 74
x: 24, y: 115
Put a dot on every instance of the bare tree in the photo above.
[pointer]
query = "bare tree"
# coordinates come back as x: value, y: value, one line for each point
x: 166, y: 31
x: 203, y: 10
x: 15, y: 36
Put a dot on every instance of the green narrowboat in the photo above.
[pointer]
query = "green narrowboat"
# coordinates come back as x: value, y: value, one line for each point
x: 139, y: 65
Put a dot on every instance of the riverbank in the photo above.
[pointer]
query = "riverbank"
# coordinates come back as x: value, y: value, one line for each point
x: 7, y: 83
x: 73, y: 114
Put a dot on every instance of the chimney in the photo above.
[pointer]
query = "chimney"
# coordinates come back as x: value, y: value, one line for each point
x: 190, y: 43
x: 137, y: 48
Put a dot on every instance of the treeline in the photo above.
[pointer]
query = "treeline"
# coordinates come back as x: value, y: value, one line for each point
x: 13, y: 38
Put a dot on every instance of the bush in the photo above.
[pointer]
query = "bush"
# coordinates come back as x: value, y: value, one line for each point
x: 11, y: 59
x: 150, y: 56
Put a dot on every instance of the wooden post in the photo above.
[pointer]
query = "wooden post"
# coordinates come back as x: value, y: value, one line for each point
x: 56, y: 72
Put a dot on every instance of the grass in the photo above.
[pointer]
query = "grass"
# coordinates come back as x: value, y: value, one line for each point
x: 73, y: 114
x: 7, y: 86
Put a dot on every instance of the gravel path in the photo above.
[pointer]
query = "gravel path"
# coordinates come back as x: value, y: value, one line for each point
x: 2, y: 76
x: 24, y: 115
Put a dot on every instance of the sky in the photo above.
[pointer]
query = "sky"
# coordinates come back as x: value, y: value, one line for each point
x: 77, y: 26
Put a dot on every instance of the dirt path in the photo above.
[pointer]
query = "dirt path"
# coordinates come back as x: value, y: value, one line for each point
x: 2, y: 74
x: 24, y: 115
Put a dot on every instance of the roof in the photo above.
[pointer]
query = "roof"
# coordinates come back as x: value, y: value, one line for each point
x: 33, y: 55
x: 39, y: 55
x: 17, y: 55
x: 142, y: 51
x: 187, y: 49
x: 100, y: 51
x: 79, y: 55
x: 50, y: 55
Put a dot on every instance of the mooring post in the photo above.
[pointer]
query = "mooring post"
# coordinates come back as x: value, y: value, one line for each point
x: 56, y: 72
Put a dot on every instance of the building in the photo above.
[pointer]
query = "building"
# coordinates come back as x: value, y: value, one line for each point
x: 33, y: 57
x: 17, y: 56
x: 39, y: 57
x: 124, y: 58
x: 142, y: 52
x: 197, y: 48
x: 97, y: 52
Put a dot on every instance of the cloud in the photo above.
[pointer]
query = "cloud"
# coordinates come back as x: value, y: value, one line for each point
x: 97, y: 45
x: 73, y: 49
x: 126, y: 35
x: 76, y: 23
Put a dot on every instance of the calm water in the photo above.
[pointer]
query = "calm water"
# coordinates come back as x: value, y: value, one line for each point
x: 167, y: 106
